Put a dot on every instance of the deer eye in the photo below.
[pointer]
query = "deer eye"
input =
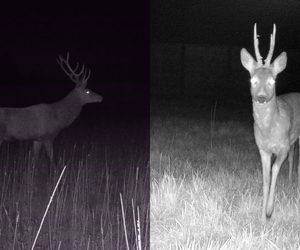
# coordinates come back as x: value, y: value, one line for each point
x: 87, y: 92
x: 271, y: 81
x: 253, y: 81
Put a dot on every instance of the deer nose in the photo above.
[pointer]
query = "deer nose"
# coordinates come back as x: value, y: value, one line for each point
x: 261, y: 99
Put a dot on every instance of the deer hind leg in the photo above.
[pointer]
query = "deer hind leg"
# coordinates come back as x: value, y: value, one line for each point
x: 36, y: 150
x: 291, y: 162
x: 48, y: 144
x: 275, y: 170
x: 266, y: 165
x: 298, y: 164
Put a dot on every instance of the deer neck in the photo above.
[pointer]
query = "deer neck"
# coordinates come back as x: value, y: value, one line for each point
x: 69, y: 108
x: 265, y: 115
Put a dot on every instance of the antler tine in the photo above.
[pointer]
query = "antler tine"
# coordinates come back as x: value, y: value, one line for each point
x: 60, y: 61
x: 272, y: 45
x: 82, y: 70
x: 257, y: 54
x: 82, y: 74
x: 77, y: 65
x: 87, y: 75
x: 79, y: 78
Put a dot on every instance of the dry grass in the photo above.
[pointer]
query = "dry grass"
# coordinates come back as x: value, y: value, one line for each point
x: 206, y: 185
x: 87, y: 211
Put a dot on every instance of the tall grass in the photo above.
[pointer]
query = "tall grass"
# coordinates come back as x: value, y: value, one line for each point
x: 206, y: 182
x: 87, y: 211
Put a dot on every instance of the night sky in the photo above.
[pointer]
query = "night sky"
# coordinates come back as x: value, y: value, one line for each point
x: 227, y: 24
x: 111, y: 38
x: 224, y: 22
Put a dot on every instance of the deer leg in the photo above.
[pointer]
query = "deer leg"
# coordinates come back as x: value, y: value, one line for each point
x: 48, y: 144
x: 266, y: 165
x: 275, y: 170
x: 36, y: 150
x: 291, y: 162
x: 298, y: 164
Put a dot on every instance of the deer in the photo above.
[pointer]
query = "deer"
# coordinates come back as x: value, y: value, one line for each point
x: 276, y: 118
x: 41, y: 123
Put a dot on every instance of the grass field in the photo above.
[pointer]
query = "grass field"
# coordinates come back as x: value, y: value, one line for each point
x: 206, y: 181
x: 102, y: 201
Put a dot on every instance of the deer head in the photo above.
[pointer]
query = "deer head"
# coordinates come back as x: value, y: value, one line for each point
x: 263, y: 75
x: 81, y: 80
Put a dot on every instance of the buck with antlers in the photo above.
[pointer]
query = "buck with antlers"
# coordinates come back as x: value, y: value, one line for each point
x: 276, y: 118
x: 41, y: 123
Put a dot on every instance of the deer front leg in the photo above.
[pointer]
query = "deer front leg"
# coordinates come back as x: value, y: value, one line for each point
x: 299, y: 164
x: 275, y: 170
x: 266, y: 164
x: 291, y: 162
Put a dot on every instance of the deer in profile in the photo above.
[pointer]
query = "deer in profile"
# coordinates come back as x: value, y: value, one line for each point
x: 41, y: 123
x: 276, y: 118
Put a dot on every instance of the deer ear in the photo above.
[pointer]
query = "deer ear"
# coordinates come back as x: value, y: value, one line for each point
x: 247, y: 60
x: 279, y: 63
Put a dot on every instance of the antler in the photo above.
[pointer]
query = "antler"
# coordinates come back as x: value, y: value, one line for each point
x: 270, y: 54
x: 257, y: 54
x: 80, y: 78
x: 272, y: 45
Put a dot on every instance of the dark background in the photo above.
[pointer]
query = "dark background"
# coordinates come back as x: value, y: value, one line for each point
x: 222, y: 22
x: 109, y: 37
x: 230, y: 23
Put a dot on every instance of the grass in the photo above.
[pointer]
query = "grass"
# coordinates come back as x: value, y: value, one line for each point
x: 206, y: 182
x: 101, y: 201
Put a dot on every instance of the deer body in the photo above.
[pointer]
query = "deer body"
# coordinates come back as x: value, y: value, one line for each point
x: 38, y: 121
x: 276, y: 119
x: 277, y: 124
x: 41, y: 123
